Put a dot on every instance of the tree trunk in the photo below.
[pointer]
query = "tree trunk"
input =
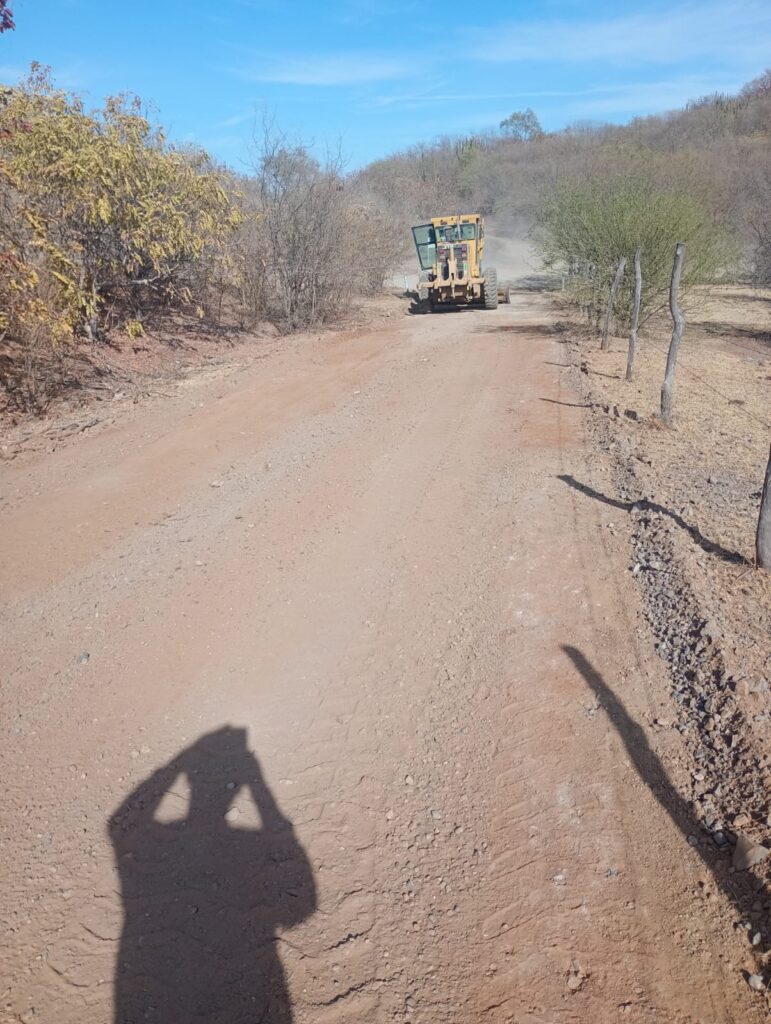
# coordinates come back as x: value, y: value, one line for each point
x: 668, y: 387
x: 763, y: 536
x: 613, y: 289
x: 635, y: 315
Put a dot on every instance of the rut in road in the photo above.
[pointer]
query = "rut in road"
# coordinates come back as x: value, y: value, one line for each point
x: 326, y: 758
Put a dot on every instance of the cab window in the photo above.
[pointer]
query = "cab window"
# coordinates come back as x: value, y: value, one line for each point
x: 456, y: 233
x: 425, y: 243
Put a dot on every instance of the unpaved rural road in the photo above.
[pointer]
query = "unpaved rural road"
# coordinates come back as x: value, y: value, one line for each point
x: 323, y: 701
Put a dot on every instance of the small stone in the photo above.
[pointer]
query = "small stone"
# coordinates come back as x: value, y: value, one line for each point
x: 756, y: 982
x: 693, y: 841
x: 216, y: 483
x: 408, y: 780
x: 741, y: 820
x: 755, y: 939
x: 231, y: 814
x: 389, y: 815
x: 747, y: 853
x: 83, y: 657
x: 576, y: 978
x: 230, y: 785
x: 436, y: 815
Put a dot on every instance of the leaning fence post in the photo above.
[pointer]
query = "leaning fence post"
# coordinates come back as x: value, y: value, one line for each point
x: 635, y: 315
x: 667, y: 388
x: 763, y: 536
x: 613, y: 289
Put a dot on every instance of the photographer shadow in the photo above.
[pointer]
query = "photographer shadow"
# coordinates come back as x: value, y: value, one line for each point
x: 203, y: 895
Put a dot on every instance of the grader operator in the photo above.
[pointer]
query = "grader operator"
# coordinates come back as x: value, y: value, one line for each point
x: 451, y: 272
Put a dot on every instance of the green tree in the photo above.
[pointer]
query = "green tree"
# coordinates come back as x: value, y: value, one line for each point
x: 522, y: 125
x: 587, y: 226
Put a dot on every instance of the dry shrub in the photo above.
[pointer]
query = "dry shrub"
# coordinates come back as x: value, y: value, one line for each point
x: 323, y: 247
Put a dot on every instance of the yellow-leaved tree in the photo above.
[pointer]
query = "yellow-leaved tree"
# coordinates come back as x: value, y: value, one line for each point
x: 97, y: 211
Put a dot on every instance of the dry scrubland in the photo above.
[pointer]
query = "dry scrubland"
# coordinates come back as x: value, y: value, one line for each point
x: 692, y: 493
x: 522, y: 521
x: 112, y: 237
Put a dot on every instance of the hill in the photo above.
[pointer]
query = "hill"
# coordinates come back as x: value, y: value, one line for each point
x: 717, y: 146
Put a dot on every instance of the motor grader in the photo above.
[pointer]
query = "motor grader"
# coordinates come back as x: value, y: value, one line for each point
x: 450, y: 252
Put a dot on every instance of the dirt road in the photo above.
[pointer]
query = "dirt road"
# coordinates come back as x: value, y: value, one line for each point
x: 327, y: 700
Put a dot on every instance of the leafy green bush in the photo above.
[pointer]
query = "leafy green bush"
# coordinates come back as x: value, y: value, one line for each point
x: 586, y: 227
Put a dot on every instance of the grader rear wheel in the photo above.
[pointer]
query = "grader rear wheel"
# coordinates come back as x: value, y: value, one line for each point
x: 490, y: 289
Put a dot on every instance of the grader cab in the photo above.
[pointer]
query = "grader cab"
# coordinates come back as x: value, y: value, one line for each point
x: 450, y: 252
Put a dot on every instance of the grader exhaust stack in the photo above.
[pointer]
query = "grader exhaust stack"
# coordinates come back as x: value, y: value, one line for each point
x: 451, y: 271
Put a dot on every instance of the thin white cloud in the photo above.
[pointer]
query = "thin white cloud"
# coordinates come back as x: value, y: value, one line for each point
x: 9, y: 74
x: 726, y: 32
x: 235, y: 120
x: 616, y: 97
x: 73, y: 76
x: 641, y: 98
x: 326, y: 69
x: 410, y: 101
x: 365, y: 13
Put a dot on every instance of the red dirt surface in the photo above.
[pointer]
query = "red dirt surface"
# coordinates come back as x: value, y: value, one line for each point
x: 328, y: 701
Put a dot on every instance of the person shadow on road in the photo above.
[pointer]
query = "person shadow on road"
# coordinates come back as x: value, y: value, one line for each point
x: 203, y: 896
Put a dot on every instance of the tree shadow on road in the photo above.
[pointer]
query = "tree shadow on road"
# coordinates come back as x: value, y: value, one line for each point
x: 202, y: 895
x: 526, y: 330
x: 739, y: 888
x: 570, y: 405
x: 652, y: 506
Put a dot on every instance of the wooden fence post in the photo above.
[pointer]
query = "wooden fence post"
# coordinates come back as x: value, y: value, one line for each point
x: 667, y: 388
x: 635, y: 315
x: 590, y: 291
x: 763, y: 536
x: 613, y: 289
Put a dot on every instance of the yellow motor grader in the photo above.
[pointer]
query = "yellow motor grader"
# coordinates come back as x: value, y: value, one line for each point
x: 451, y: 272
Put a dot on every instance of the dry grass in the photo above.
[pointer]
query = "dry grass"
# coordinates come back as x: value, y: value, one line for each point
x: 706, y: 472
x: 712, y: 461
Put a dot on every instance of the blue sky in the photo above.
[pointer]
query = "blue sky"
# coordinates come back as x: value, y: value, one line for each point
x: 376, y: 77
